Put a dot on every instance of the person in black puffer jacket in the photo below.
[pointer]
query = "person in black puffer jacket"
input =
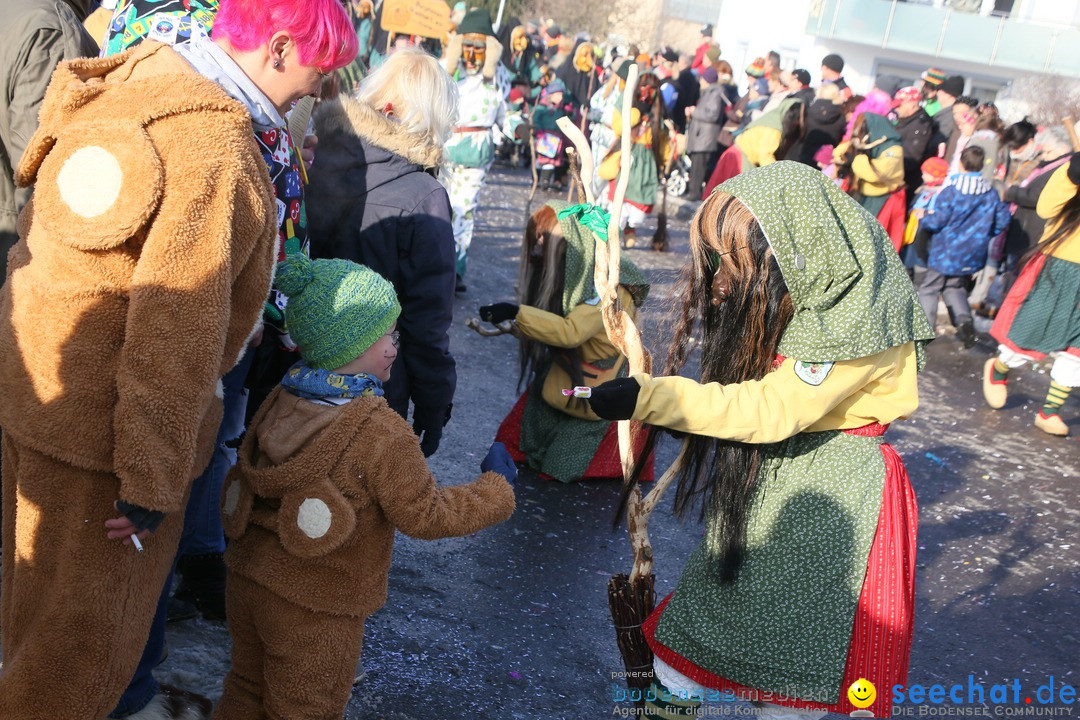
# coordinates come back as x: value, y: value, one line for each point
x: 916, y: 131
x: 374, y: 200
x: 824, y: 125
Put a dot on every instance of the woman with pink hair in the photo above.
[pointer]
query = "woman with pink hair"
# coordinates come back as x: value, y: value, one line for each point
x: 141, y: 272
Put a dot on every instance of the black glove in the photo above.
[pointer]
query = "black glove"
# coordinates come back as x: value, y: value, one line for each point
x: 615, y: 399
x: 1074, y: 169
x: 428, y: 424
x: 429, y: 439
x: 498, y: 312
x: 498, y: 460
x: 140, y: 517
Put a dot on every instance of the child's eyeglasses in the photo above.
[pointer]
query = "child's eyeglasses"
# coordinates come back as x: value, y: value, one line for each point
x: 395, y: 338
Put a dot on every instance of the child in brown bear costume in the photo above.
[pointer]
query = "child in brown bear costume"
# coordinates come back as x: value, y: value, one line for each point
x: 325, y: 475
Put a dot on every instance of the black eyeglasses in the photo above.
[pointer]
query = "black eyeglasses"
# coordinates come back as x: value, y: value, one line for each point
x: 395, y: 338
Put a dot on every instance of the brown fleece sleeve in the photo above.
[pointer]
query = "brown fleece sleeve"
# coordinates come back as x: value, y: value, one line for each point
x: 405, y: 489
x: 181, y: 315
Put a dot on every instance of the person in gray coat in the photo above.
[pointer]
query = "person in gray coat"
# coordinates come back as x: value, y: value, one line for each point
x: 35, y: 36
x: 373, y: 200
x: 706, y: 120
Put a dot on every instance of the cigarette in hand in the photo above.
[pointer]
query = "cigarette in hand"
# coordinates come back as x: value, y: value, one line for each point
x: 138, y: 545
x: 579, y: 391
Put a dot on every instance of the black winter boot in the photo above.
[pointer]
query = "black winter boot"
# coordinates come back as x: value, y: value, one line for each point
x: 965, y: 333
x: 202, y: 583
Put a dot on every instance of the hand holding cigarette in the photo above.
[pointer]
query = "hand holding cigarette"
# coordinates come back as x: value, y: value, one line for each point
x: 120, y: 528
x: 133, y: 525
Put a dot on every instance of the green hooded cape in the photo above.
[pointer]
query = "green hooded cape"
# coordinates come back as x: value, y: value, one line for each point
x: 852, y: 296
x: 877, y: 127
x: 557, y: 444
x: 774, y: 118
x: 580, y: 260
x: 785, y: 624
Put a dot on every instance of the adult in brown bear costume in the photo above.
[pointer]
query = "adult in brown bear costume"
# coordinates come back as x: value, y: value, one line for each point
x: 143, y: 264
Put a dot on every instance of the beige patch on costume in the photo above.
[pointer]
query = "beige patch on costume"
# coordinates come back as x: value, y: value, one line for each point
x: 90, y: 180
x: 812, y: 373
x: 313, y: 518
x: 99, y: 185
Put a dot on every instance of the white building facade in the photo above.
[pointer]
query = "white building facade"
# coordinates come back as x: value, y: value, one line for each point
x: 989, y: 42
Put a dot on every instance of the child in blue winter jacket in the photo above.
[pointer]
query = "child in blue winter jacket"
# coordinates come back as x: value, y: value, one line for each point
x: 966, y: 215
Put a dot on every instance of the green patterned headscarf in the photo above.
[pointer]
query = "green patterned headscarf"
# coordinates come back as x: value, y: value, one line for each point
x: 851, y: 294
x: 580, y: 259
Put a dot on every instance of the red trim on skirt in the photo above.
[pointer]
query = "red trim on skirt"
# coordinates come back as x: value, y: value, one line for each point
x: 893, y: 216
x: 1017, y: 295
x: 884, y: 617
x: 605, y: 463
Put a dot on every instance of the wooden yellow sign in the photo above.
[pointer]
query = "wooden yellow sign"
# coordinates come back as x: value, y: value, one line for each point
x: 428, y: 18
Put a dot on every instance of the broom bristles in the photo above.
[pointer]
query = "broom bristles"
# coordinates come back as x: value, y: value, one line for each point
x: 631, y: 604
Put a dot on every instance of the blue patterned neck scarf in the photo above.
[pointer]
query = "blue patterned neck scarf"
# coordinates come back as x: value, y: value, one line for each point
x: 315, y: 384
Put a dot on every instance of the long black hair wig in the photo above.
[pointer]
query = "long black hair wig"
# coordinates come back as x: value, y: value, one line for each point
x: 734, y: 291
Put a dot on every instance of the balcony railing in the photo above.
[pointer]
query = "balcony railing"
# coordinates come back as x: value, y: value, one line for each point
x: 942, y: 32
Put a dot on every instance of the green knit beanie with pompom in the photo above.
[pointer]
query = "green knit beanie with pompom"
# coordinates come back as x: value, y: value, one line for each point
x: 337, y: 309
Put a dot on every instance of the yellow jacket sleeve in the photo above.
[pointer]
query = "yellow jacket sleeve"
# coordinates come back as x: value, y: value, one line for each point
x: 584, y: 322
x: 882, y: 174
x: 759, y: 145
x: 880, y: 388
x: 616, y: 122
x: 1058, y: 191
x: 839, y: 151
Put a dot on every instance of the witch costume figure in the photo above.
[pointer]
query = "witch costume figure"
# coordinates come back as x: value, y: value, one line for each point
x: 812, y: 341
x: 1041, y: 313
x: 472, y: 59
x: 563, y: 345
x: 871, y: 162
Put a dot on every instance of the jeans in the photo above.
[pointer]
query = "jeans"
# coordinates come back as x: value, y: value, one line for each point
x: 202, y: 534
x: 1010, y: 269
x: 701, y: 166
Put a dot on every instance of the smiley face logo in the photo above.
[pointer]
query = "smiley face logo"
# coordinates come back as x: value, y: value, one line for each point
x: 862, y: 693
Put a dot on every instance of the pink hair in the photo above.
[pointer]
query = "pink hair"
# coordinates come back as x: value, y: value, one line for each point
x: 877, y: 101
x: 824, y: 155
x: 323, y: 33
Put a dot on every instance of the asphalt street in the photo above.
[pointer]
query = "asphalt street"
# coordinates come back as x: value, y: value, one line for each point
x: 513, y: 622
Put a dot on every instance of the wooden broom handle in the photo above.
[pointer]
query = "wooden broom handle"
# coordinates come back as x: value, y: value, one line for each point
x: 620, y: 327
x: 584, y: 152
